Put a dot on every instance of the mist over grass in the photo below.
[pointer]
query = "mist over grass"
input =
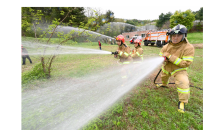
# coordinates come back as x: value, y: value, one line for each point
x: 70, y: 104
x: 143, y: 107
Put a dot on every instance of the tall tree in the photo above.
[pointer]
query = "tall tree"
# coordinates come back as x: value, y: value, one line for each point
x: 29, y: 14
x: 163, y: 18
x: 199, y: 14
x: 110, y: 16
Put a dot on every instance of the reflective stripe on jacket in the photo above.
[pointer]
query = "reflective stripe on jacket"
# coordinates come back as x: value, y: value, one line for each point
x: 124, y: 54
x: 24, y: 52
x: 182, y: 55
x: 137, y: 55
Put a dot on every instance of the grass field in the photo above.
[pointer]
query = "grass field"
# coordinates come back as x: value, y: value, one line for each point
x: 195, y: 38
x: 145, y: 107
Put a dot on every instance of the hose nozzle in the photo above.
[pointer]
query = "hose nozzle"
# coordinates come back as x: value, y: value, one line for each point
x: 114, y: 53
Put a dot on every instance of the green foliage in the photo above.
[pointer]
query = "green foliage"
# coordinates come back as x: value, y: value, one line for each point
x: 30, y: 18
x: 109, y: 16
x: 67, y: 20
x: 163, y: 18
x: 93, y: 125
x: 64, y: 17
x: 119, y: 20
x: 185, y: 18
x: 130, y: 22
x: 199, y: 14
x: 118, y: 109
x: 36, y: 73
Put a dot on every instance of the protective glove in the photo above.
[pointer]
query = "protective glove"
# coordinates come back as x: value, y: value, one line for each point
x: 165, y: 58
x: 133, y: 51
x: 167, y: 55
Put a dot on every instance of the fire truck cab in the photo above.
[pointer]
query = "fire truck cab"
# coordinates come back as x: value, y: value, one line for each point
x: 132, y: 39
x: 156, y: 37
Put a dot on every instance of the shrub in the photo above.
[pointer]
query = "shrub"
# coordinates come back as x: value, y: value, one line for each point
x: 36, y: 73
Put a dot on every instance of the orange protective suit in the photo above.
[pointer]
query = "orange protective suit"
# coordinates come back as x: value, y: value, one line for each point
x: 182, y: 55
x: 125, y: 59
x: 137, y: 54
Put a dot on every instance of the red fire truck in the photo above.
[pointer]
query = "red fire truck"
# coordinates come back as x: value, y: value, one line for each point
x: 156, y: 37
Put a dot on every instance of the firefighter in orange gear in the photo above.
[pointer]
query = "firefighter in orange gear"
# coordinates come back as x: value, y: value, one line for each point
x: 123, y: 53
x: 137, y: 53
x: 137, y: 56
x: 179, y: 54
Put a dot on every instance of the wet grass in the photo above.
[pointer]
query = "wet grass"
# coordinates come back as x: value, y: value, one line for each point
x: 148, y: 107
x: 145, y: 107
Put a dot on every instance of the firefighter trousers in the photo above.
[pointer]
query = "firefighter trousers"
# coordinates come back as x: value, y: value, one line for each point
x: 181, y: 82
x: 124, y: 74
x: 24, y: 59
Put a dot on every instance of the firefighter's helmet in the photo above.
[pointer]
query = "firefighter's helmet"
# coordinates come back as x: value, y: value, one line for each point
x: 178, y: 29
x: 138, y: 41
x: 120, y: 37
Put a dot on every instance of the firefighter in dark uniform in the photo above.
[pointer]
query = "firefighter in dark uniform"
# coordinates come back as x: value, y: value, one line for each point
x: 25, y: 55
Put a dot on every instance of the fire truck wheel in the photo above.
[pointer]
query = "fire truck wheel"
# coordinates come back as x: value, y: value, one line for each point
x: 146, y: 43
x: 159, y: 44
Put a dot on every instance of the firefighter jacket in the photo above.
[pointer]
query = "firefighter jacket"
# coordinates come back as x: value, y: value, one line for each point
x: 137, y: 54
x: 24, y: 52
x: 124, y: 54
x: 181, y: 56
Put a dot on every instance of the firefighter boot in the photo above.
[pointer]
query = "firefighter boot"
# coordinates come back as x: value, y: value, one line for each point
x: 161, y: 85
x: 181, y: 107
x: 24, y: 60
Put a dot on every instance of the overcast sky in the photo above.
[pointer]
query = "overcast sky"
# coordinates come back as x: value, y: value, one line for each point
x: 144, y: 13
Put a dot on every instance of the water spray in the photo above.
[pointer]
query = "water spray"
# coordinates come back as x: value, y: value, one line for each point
x: 37, y: 49
x: 71, y: 103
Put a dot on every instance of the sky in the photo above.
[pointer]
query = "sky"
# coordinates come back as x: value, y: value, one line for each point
x: 144, y: 13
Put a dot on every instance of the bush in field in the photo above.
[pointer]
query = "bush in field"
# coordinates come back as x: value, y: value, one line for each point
x: 185, y: 18
x: 36, y: 73
x: 33, y: 17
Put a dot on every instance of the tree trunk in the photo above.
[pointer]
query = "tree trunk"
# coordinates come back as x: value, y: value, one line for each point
x: 49, y: 67
x: 43, y: 64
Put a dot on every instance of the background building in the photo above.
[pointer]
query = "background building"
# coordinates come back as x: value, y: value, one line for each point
x: 129, y: 35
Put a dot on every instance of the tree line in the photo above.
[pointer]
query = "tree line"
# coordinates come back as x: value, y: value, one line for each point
x: 169, y: 20
x: 43, y: 23
x: 80, y: 15
x: 75, y: 18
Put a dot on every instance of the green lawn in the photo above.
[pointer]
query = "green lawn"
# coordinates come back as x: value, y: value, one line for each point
x: 148, y: 107
x: 195, y: 38
x: 145, y: 107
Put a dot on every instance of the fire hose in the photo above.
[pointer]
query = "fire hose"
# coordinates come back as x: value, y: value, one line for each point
x: 173, y: 83
x: 165, y: 58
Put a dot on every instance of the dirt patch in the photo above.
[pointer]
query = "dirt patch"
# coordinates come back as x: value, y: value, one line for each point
x: 198, y: 46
